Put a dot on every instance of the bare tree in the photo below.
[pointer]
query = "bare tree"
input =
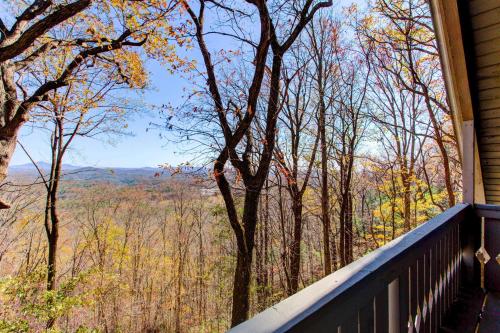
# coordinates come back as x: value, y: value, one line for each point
x: 271, y: 41
x: 323, y: 37
x: 296, y: 148
x: 84, y: 108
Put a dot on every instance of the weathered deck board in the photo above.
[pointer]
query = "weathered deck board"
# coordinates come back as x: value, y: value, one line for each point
x: 464, y: 313
x: 490, y: 321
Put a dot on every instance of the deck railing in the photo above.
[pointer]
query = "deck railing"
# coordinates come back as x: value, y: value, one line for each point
x: 490, y: 215
x: 407, y: 285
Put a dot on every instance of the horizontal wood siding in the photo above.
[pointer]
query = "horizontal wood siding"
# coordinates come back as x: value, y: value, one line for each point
x: 478, y: 7
x: 485, y: 23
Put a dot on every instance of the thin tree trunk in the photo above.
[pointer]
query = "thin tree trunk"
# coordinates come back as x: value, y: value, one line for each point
x: 442, y: 149
x: 295, y: 247
x: 349, y: 230
x: 406, y: 202
x: 325, y: 195
x: 52, y: 248
x: 53, y: 235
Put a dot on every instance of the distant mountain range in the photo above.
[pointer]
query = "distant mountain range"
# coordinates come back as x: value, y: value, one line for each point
x: 128, y: 176
x: 42, y: 165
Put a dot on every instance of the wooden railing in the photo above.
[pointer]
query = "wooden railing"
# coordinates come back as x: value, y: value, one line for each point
x: 490, y: 215
x: 407, y: 285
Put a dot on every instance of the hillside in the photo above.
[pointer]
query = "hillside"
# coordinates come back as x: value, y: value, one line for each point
x: 123, y: 176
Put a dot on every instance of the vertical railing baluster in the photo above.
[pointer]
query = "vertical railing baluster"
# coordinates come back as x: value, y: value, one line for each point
x: 452, y: 285
x: 419, y: 320
x: 459, y: 263
x: 441, y: 265
x: 382, y: 311
x: 459, y: 245
x: 394, y: 317
x: 455, y: 262
x: 444, y: 302
x: 448, y: 265
x: 413, y: 295
x: 437, y: 293
x: 366, y: 318
x: 452, y: 265
x: 432, y: 286
x: 404, y: 301
x: 426, y: 315
x: 449, y: 255
x: 350, y: 324
x: 445, y: 274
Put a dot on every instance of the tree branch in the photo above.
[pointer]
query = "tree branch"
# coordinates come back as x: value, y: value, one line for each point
x: 40, y: 27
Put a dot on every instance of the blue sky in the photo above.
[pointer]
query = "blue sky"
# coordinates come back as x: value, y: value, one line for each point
x: 144, y: 148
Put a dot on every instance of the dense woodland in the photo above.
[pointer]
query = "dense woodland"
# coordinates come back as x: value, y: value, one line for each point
x: 319, y: 131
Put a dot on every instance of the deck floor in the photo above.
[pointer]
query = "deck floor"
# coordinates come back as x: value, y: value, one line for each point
x: 490, y: 318
x: 474, y: 312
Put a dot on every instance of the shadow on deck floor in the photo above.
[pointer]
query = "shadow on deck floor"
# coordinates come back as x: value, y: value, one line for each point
x: 474, y: 312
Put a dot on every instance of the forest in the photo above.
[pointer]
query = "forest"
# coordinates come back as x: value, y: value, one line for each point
x: 316, y: 132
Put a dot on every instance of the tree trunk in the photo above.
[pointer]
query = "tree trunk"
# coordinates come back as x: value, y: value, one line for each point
x: 267, y: 290
x: 261, y: 254
x: 259, y: 264
x: 178, y: 290
x: 342, y: 231
x: 295, y: 247
x: 52, y: 240
x: 243, y: 271
x: 348, y: 230
x: 325, y: 196
x: 241, y: 288
x: 442, y: 149
x: 52, y: 227
x: 7, y: 147
x: 406, y: 202
x: 8, y: 133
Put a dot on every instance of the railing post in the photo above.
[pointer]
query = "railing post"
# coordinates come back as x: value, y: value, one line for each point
x: 470, y: 239
x: 468, y: 163
x: 471, y: 227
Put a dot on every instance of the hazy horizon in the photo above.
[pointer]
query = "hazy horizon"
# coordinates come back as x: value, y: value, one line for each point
x: 29, y: 163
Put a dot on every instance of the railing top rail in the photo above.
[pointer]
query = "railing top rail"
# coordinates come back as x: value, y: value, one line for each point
x: 352, y: 285
x: 486, y: 210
